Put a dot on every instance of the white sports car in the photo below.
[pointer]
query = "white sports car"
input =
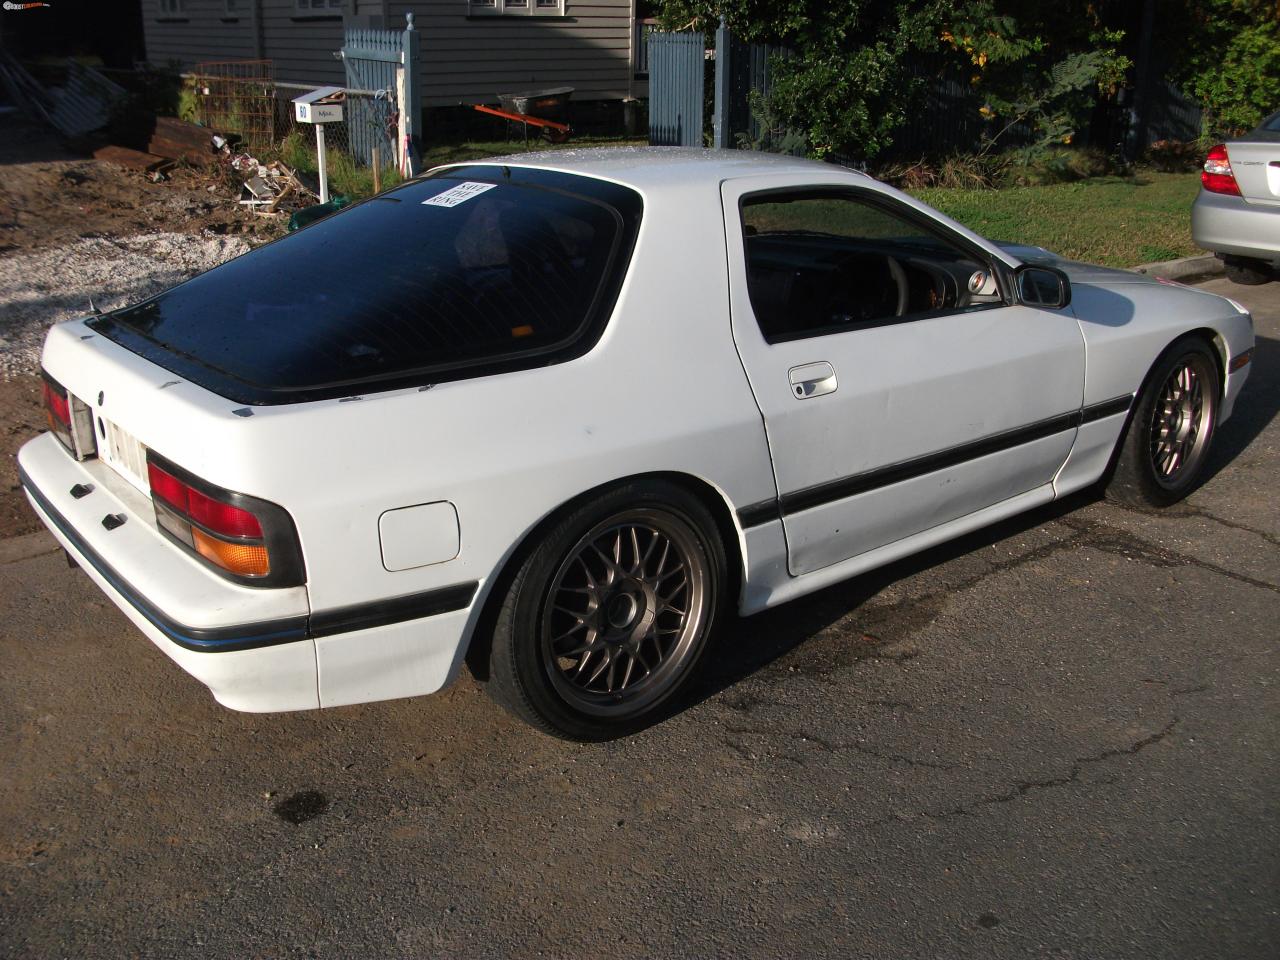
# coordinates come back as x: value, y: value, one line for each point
x: 559, y: 414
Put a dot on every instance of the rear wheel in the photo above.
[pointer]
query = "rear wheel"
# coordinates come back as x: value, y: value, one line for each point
x: 1163, y: 453
x: 1247, y: 272
x: 610, y: 614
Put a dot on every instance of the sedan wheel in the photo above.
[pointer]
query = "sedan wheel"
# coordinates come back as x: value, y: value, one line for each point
x: 1163, y: 454
x: 610, y: 614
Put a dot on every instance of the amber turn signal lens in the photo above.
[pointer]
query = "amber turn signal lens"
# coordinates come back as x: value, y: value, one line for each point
x: 243, y: 559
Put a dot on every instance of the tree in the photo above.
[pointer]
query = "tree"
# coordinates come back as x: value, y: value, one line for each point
x: 859, y: 67
x: 1229, y: 60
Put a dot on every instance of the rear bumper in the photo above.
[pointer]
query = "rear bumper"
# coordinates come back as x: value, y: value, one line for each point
x: 258, y: 650
x: 1229, y: 225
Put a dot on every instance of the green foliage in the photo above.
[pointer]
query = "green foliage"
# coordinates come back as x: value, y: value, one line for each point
x: 1229, y: 60
x: 189, y: 101
x: 298, y: 152
x: 860, y: 67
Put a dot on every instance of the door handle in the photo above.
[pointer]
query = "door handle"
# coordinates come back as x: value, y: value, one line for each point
x: 812, y: 380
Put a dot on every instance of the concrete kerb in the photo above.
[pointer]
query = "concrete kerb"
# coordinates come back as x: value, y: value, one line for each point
x: 1184, y: 269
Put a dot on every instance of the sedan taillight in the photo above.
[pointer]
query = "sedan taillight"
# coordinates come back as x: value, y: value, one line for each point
x: 1217, y: 176
x: 247, y: 538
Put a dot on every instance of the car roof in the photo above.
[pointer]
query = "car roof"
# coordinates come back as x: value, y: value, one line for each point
x: 642, y: 167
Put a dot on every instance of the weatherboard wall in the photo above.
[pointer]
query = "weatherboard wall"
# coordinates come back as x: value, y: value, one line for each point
x: 466, y: 58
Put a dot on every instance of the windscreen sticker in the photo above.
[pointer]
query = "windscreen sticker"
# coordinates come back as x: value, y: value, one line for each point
x: 459, y: 194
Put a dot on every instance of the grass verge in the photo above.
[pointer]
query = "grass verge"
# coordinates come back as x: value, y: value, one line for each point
x: 1115, y: 221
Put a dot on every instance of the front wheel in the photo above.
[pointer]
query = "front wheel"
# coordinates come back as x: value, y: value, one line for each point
x: 1162, y: 456
x: 610, y: 613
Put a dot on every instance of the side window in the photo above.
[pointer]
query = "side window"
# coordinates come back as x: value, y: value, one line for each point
x: 822, y: 262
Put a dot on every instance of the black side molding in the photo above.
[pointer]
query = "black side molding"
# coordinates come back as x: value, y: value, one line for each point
x: 759, y: 513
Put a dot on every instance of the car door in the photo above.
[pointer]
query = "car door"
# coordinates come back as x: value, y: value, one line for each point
x: 901, y: 388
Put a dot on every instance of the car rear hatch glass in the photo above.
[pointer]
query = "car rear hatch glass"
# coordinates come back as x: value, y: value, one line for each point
x: 474, y: 270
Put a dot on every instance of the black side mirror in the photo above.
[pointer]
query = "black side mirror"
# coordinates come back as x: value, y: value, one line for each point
x: 1045, y: 287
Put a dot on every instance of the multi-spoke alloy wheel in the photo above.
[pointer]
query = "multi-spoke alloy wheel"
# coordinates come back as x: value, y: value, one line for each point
x: 610, y: 613
x: 1162, y: 455
x: 1179, y: 422
x: 623, y: 611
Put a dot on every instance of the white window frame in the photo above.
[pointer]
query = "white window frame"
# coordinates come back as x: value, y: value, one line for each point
x: 516, y: 8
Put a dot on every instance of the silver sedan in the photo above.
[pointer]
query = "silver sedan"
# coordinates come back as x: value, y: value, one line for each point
x: 1237, y: 212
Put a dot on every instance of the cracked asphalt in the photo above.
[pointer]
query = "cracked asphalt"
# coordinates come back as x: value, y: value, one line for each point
x: 1055, y: 738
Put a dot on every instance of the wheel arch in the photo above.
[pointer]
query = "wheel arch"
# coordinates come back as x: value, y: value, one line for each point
x: 714, y: 499
x: 1217, y: 347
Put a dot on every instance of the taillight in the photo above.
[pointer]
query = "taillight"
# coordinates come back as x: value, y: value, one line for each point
x: 247, y: 538
x: 68, y: 419
x: 57, y: 412
x: 1217, y: 176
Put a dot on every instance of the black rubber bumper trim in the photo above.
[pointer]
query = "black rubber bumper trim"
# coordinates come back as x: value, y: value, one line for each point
x: 381, y: 613
x: 824, y: 493
x: 268, y: 633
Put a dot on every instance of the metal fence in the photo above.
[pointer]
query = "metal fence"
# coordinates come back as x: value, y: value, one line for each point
x: 237, y: 96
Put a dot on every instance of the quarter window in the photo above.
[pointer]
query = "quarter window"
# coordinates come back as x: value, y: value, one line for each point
x: 819, y: 262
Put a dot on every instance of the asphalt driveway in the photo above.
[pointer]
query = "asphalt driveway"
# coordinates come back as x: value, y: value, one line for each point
x: 1058, y: 737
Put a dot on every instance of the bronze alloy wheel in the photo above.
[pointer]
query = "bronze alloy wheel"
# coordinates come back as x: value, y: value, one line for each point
x: 623, y: 612
x: 1181, y: 421
x: 610, y: 611
x: 1162, y: 453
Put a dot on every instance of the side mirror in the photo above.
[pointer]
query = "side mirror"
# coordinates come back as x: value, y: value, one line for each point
x: 1044, y: 287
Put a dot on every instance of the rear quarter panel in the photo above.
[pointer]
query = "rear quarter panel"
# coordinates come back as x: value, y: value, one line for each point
x: 663, y: 390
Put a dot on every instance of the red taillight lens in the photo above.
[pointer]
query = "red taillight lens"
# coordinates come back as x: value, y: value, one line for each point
x: 168, y: 488
x: 57, y: 413
x: 57, y: 405
x: 222, y: 517
x: 1217, y: 176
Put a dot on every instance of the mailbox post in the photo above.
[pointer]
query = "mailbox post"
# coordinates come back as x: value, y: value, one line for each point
x: 320, y: 106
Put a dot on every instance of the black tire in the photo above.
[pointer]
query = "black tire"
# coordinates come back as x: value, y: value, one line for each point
x: 577, y: 617
x: 1249, y: 273
x: 1162, y: 454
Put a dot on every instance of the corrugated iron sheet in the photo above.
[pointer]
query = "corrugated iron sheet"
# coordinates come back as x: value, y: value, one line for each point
x: 86, y: 101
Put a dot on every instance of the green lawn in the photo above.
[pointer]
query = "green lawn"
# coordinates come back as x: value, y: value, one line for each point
x: 1116, y: 221
x: 483, y: 149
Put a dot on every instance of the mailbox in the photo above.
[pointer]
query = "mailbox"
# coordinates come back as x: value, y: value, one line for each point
x: 320, y: 106
x: 323, y: 105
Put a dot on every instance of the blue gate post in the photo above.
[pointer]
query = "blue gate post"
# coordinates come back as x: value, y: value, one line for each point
x: 412, y: 108
x: 721, y: 134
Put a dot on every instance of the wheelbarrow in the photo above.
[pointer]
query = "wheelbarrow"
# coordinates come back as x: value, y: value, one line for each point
x: 545, y: 110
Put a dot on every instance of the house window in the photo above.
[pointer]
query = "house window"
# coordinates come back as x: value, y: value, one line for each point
x: 233, y: 7
x: 552, y: 8
x: 318, y: 6
x: 170, y: 8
